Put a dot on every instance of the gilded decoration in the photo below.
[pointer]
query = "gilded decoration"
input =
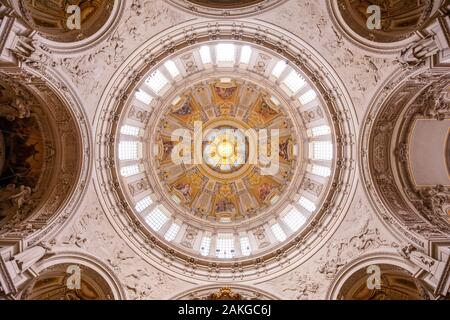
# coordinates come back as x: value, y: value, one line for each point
x: 226, y: 185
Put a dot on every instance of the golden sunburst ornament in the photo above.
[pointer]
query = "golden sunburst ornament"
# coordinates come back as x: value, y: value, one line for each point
x: 224, y: 150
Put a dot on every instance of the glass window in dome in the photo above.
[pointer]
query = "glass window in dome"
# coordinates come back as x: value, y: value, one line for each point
x: 205, y: 246
x: 143, y: 204
x: 279, y: 68
x: 225, y: 246
x: 130, y: 131
x: 307, y: 204
x: 156, y: 219
x: 319, y: 131
x: 294, y: 219
x: 225, y: 52
x: 278, y: 232
x: 172, y: 232
x: 322, y: 150
x: 143, y: 97
x: 246, y: 54
x: 294, y: 82
x: 307, y: 97
x: 205, y: 54
x: 129, y: 150
x: 172, y: 68
x: 156, y: 81
x: 130, y: 170
x: 245, y: 246
x: 321, y: 171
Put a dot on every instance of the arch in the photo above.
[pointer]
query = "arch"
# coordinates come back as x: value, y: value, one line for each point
x: 370, y: 258
x: 67, y: 175
x: 50, y: 23
x: 410, y: 94
x: 350, y: 17
x: 62, y: 258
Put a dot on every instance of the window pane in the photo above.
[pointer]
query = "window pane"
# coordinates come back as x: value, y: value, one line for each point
x: 129, y: 150
x: 225, y: 246
x: 279, y: 68
x: 294, y: 82
x: 245, y: 246
x: 156, y: 219
x: 307, y: 204
x: 225, y: 52
x: 294, y: 219
x: 319, y: 131
x: 321, y: 171
x: 307, y: 97
x: 322, y: 150
x: 156, y: 81
x: 205, y: 54
x: 143, y: 204
x: 172, y: 68
x: 246, y: 54
x: 205, y: 246
x: 129, y: 171
x: 278, y: 232
x: 130, y: 131
x: 172, y: 232
x: 143, y: 97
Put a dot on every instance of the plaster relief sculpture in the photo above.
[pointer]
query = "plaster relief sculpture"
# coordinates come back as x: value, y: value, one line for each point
x: 418, y: 51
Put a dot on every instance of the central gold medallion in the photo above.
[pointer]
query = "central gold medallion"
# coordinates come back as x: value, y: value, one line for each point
x: 224, y: 149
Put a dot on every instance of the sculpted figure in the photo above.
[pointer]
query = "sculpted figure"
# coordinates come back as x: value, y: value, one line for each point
x: 12, y: 197
x: 18, y: 108
x: 418, y: 51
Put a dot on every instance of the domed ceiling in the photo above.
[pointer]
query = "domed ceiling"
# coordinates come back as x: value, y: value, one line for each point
x: 224, y: 151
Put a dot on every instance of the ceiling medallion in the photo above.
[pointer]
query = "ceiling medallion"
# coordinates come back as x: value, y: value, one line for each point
x: 225, y: 149
x: 233, y: 161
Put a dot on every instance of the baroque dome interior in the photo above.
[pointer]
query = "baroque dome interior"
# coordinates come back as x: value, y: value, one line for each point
x: 224, y: 150
x: 230, y: 187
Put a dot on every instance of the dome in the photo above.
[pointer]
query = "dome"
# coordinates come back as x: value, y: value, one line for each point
x: 224, y: 151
